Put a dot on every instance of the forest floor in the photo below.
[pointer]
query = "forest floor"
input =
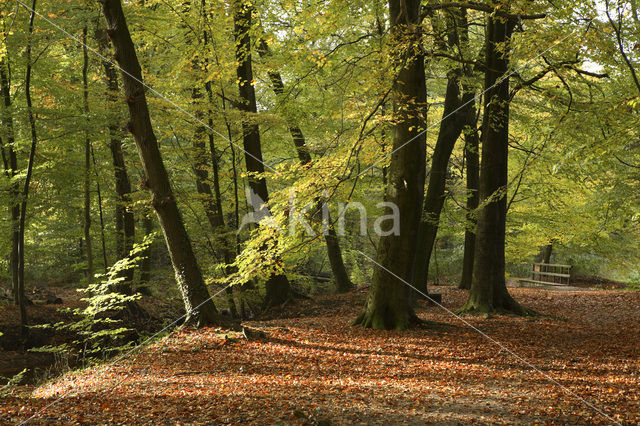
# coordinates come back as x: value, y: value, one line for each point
x: 307, y: 365
x: 16, y: 354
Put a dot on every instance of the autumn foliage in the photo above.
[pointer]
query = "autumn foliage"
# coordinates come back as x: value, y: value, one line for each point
x: 307, y: 365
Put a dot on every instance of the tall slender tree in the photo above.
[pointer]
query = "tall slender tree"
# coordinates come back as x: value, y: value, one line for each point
x: 198, y: 304
x: 278, y: 289
x: 472, y: 157
x: 11, y: 170
x: 103, y: 239
x: 125, y: 229
x: 27, y: 180
x: 334, y: 252
x: 202, y: 137
x: 450, y: 129
x: 87, y: 159
x: 145, y: 265
x: 471, y: 154
x: 458, y: 113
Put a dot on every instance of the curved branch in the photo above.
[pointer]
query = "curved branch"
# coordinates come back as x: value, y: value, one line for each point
x: 482, y: 8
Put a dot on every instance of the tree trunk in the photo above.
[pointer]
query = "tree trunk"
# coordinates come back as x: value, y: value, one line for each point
x: 473, y: 197
x: 27, y: 181
x: 212, y: 205
x: 124, y: 219
x: 145, y: 265
x: 450, y: 129
x: 87, y: 160
x: 278, y: 289
x: 388, y: 303
x: 232, y: 244
x: 198, y: 304
x: 488, y: 288
x: 546, y: 253
x: 200, y: 168
x: 14, y: 190
x: 334, y: 253
x: 101, y: 214
x: 458, y: 40
x: 200, y: 157
x: 212, y: 199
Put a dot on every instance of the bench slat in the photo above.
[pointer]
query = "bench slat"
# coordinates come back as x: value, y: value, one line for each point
x: 552, y: 274
x: 553, y: 265
x: 541, y: 282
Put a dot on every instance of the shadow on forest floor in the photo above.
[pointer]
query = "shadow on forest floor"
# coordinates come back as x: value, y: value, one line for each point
x: 312, y: 367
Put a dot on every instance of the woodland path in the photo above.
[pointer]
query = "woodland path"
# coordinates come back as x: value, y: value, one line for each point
x: 312, y: 367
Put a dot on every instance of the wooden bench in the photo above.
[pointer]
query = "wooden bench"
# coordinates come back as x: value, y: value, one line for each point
x: 549, y: 274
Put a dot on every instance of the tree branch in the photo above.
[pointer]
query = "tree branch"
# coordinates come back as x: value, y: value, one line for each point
x: 625, y: 163
x: 618, y: 32
x: 482, y: 8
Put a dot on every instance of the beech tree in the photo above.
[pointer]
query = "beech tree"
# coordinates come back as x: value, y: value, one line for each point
x: 472, y: 158
x: 87, y: 159
x: 317, y: 107
x: 125, y: 229
x: 334, y: 253
x: 388, y: 303
x: 450, y: 129
x: 488, y: 288
x: 10, y: 159
x: 198, y: 304
x: 27, y: 180
x: 278, y: 289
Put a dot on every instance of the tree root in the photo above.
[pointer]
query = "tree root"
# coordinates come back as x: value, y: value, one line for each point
x: 511, y: 308
x: 378, y: 321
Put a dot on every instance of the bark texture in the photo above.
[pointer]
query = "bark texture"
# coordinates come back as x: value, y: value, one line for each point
x: 278, y: 289
x: 87, y: 161
x: 198, y: 304
x: 388, y: 303
x: 11, y: 168
x: 488, y: 288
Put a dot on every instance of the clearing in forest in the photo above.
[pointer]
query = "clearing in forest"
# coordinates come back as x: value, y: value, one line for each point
x: 307, y: 366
